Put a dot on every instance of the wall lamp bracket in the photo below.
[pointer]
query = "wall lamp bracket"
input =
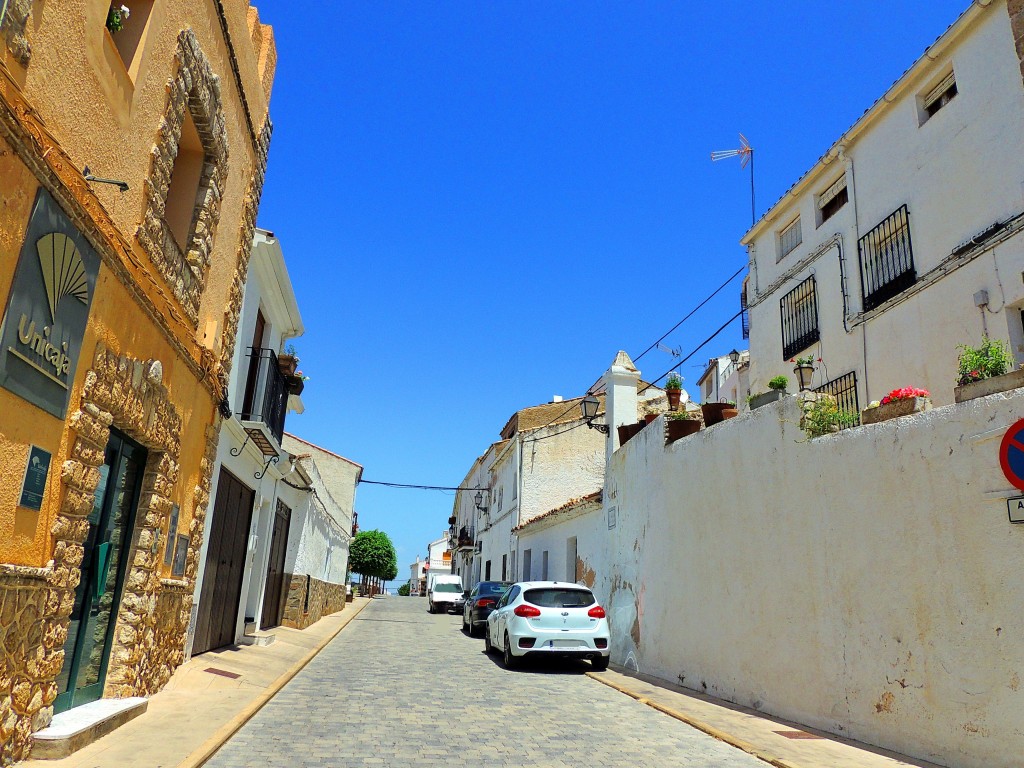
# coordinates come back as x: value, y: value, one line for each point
x: 589, y: 406
x: 122, y: 185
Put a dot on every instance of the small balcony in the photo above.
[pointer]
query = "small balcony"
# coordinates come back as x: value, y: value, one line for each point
x: 466, y: 541
x: 266, y: 401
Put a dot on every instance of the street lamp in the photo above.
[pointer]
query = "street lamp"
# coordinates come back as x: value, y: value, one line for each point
x: 734, y: 357
x: 479, y: 499
x: 589, y: 406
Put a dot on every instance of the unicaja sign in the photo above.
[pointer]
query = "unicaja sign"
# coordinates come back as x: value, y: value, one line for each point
x: 48, y: 309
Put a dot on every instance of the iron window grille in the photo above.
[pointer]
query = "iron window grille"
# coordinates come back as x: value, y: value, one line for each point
x: 886, y: 259
x: 844, y: 390
x: 790, y: 238
x: 269, y: 400
x: 744, y: 314
x: 799, y: 310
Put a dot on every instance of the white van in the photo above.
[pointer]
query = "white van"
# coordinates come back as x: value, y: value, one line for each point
x: 443, y: 589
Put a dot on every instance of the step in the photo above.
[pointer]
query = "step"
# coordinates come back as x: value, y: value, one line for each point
x: 260, y: 638
x: 69, y: 731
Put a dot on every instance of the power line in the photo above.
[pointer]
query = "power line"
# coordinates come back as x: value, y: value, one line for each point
x: 421, y: 487
x: 709, y: 298
x: 696, y: 349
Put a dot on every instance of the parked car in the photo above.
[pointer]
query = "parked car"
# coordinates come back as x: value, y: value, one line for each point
x: 460, y: 602
x: 442, y: 591
x: 548, y: 618
x: 481, y: 601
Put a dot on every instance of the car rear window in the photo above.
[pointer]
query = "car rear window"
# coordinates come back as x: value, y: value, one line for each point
x: 552, y: 597
x: 448, y: 587
x: 493, y: 589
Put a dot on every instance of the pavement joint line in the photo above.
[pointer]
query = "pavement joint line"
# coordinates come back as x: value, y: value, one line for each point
x: 209, y: 748
x: 700, y: 725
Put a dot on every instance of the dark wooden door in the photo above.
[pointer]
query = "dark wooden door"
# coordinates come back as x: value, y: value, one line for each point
x: 225, y: 564
x: 274, y: 595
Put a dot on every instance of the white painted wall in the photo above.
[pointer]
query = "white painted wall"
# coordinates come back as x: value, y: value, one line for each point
x: 864, y: 583
x: 588, y: 526
x: 958, y: 172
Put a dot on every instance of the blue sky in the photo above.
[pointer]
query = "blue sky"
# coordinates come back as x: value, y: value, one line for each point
x: 480, y: 203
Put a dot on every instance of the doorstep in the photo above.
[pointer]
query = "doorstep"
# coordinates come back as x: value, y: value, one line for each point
x: 261, y: 639
x: 69, y: 731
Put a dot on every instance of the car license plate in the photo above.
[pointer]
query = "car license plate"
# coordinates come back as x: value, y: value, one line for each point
x: 563, y: 643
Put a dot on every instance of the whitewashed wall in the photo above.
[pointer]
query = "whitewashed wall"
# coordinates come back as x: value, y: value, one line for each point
x: 866, y: 583
x: 958, y: 172
x: 590, y: 531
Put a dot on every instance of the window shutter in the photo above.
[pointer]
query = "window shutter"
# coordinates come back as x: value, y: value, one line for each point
x: 939, y: 89
x: 829, y: 194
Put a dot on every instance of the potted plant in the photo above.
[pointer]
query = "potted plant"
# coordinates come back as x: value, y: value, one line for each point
x: 804, y: 370
x: 716, y: 412
x: 985, y: 370
x: 899, y: 402
x: 296, y: 383
x: 682, y: 423
x: 287, y: 361
x: 673, y: 390
x: 116, y: 16
x: 627, y: 431
x: 776, y: 391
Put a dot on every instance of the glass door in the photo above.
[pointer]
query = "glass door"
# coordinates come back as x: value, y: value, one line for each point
x: 104, y: 565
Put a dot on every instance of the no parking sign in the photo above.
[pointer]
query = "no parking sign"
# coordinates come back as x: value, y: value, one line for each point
x: 1011, y: 459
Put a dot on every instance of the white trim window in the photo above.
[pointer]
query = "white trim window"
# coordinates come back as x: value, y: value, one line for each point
x: 938, y: 97
x: 832, y: 199
x: 790, y: 237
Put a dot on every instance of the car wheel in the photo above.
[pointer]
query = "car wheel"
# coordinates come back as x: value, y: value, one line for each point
x: 468, y: 630
x: 488, y: 648
x: 430, y: 607
x: 599, y: 663
x: 511, y: 662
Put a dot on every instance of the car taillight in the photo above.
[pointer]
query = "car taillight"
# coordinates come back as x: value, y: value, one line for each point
x: 526, y: 611
x: 597, y: 612
x: 483, y: 602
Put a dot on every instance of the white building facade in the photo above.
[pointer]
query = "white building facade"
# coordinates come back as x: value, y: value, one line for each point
x: 903, y: 241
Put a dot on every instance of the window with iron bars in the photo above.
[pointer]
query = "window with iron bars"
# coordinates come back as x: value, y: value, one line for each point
x: 744, y: 313
x: 799, y: 311
x: 886, y: 259
x: 844, y: 390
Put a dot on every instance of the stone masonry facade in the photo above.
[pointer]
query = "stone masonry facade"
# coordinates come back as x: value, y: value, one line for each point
x: 309, y: 600
x: 197, y: 89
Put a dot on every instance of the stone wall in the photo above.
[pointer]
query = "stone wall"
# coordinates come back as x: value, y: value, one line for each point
x: 302, y: 609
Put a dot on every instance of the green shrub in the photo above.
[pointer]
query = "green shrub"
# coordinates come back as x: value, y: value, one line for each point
x: 992, y: 358
x: 779, y: 382
x: 824, y: 416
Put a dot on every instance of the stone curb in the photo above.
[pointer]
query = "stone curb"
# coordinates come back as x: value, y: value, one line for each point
x: 209, y: 748
x: 710, y: 730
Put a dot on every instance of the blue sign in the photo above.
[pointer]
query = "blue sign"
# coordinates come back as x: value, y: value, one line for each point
x: 1011, y: 454
x: 34, y: 485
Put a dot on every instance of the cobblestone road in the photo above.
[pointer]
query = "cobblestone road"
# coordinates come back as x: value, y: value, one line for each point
x: 401, y: 687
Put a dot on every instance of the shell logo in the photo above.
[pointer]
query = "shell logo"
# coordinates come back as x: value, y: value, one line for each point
x: 63, y: 270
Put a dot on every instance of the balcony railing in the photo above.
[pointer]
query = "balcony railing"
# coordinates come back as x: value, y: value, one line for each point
x: 466, y: 538
x: 266, y: 392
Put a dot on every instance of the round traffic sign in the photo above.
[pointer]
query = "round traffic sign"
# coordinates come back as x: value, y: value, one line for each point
x: 1011, y: 454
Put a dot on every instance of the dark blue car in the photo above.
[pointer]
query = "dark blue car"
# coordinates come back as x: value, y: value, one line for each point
x: 480, y: 603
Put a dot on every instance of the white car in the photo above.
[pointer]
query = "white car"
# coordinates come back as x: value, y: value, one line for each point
x: 545, y: 618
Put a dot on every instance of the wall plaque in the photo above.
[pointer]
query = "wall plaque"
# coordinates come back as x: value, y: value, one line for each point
x: 180, y: 553
x: 172, y: 531
x: 34, y: 484
x: 48, y: 308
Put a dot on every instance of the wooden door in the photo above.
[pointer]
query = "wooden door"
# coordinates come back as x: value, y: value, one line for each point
x: 225, y: 565
x: 274, y: 594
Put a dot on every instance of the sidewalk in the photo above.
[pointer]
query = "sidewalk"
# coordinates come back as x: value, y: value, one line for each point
x: 206, y: 700
x: 778, y: 742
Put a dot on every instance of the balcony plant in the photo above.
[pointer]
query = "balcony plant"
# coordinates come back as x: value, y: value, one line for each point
x: 899, y: 402
x: 627, y: 431
x: 776, y: 391
x: 985, y: 370
x: 287, y: 361
x: 116, y: 16
x: 674, y: 390
x: 823, y: 416
x: 680, y: 424
x: 716, y: 412
x: 804, y: 369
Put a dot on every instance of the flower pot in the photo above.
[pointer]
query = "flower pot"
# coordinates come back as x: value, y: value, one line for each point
x: 627, y: 431
x: 803, y: 375
x: 673, y: 398
x: 896, y: 408
x: 765, y: 398
x: 295, y: 385
x: 989, y: 386
x: 649, y: 417
x: 679, y: 428
x: 716, y: 412
x: 286, y: 364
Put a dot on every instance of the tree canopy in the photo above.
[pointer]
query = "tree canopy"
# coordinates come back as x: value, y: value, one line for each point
x: 371, y: 553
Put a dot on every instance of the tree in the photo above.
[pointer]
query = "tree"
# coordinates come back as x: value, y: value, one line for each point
x: 372, y: 554
x: 404, y: 590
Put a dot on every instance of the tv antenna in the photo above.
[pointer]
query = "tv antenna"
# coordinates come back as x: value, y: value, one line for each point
x: 676, y: 352
x: 746, y: 155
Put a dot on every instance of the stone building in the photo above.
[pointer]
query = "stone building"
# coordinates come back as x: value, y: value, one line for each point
x: 132, y: 154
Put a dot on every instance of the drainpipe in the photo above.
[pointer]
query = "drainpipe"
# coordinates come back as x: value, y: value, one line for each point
x: 843, y: 155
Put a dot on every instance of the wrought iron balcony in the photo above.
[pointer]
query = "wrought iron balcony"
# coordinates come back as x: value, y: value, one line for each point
x: 466, y: 539
x: 266, y: 400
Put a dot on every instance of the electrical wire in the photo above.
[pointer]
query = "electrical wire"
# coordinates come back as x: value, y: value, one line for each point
x: 709, y: 298
x: 696, y: 349
x: 421, y: 487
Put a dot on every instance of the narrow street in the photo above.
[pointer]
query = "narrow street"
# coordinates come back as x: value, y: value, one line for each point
x: 401, y: 687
